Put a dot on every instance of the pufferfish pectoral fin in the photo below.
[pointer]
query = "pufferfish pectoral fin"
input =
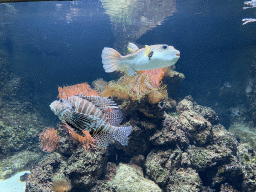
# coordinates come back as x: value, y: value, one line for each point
x: 130, y: 71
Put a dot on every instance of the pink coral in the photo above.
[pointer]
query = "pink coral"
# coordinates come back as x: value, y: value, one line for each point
x: 156, y: 76
x: 49, y: 139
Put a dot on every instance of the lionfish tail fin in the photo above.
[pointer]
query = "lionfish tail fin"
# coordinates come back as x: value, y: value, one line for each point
x: 121, y: 134
x: 110, y: 59
x: 103, y: 139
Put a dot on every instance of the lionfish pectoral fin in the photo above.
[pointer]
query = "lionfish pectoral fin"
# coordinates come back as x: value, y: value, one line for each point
x: 81, y: 120
x: 121, y: 134
x: 103, y: 139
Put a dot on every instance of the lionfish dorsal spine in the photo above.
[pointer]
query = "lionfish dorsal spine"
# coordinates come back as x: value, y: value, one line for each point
x: 100, y: 102
x: 89, y: 108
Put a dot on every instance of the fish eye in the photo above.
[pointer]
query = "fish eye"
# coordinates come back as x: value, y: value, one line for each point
x: 61, y: 100
x: 164, y: 46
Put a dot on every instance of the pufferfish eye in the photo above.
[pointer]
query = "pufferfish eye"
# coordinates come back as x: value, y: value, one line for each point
x: 164, y: 46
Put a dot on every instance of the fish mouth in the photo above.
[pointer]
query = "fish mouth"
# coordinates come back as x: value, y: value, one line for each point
x: 178, y: 54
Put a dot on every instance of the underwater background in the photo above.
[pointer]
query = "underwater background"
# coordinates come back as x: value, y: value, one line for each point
x: 46, y: 45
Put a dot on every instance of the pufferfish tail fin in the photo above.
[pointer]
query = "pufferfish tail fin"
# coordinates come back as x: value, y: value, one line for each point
x: 121, y: 134
x: 110, y: 59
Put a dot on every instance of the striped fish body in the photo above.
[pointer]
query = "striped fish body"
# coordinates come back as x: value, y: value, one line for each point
x: 98, y: 115
x: 84, y: 114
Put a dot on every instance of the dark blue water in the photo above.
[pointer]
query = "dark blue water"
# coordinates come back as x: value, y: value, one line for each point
x: 51, y: 44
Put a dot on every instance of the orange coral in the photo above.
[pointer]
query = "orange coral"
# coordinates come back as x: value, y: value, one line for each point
x: 87, y: 141
x: 82, y: 88
x: 49, y: 139
x: 156, y: 76
x: 155, y: 97
x: 129, y: 87
x: 114, y: 89
x: 61, y: 184
x: 136, y: 87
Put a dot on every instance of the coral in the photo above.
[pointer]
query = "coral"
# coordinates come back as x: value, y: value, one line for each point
x: 49, y: 140
x: 99, y: 85
x: 155, y: 96
x: 85, y: 141
x: 82, y: 88
x: 135, y: 88
x: 156, y: 76
x: 61, y: 184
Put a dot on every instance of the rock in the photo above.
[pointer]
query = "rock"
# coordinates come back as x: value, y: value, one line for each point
x: 186, y: 104
x: 205, y: 157
x: 184, y: 180
x: 208, y: 113
x: 18, y: 162
x: 40, y: 178
x: 130, y: 179
x: 85, y: 167
x: 159, y: 165
x: 170, y: 134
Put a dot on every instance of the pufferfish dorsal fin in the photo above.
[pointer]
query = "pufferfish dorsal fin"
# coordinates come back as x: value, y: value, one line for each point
x: 132, y: 47
x: 148, y: 51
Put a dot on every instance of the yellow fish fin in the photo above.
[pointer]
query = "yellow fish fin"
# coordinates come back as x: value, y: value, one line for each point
x: 130, y: 50
x: 146, y: 53
x: 132, y: 47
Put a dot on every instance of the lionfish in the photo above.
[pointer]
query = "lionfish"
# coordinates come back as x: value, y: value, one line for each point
x: 98, y: 115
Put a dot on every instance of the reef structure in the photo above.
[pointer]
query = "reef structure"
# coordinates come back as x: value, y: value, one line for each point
x: 174, y: 146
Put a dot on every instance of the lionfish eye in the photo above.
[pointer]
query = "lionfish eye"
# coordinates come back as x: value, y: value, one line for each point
x: 61, y: 100
x: 164, y: 46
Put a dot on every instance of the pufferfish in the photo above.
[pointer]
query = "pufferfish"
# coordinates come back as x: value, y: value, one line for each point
x: 148, y: 58
x: 98, y: 115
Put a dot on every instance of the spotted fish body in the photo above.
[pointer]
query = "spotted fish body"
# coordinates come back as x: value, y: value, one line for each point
x: 98, y: 115
x: 148, y: 58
